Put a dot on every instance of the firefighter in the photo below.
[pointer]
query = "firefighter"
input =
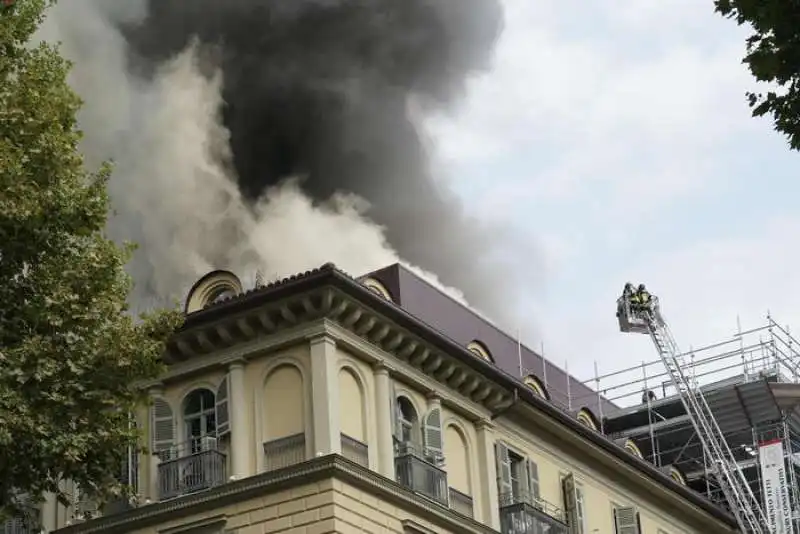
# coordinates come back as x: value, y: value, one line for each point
x: 627, y: 293
x: 627, y: 299
x: 643, y: 298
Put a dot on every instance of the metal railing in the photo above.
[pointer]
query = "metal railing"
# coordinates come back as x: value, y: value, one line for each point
x: 196, y: 466
x: 283, y: 452
x: 461, y: 502
x: 18, y: 525
x: 355, y: 451
x: 525, y: 513
x: 418, y: 474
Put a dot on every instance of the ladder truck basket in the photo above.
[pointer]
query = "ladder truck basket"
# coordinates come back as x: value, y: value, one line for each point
x: 634, y: 319
x: 647, y: 319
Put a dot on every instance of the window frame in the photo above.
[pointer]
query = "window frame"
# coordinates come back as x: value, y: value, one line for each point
x: 580, y: 503
x: 519, y: 471
x: 204, y: 415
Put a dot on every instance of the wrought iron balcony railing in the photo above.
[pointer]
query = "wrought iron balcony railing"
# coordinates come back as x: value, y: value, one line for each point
x: 525, y: 513
x: 19, y: 525
x: 195, y: 466
x: 283, y: 452
x: 420, y: 474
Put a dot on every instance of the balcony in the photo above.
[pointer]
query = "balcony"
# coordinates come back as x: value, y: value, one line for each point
x: 195, y: 466
x: 355, y: 451
x: 523, y: 513
x: 283, y: 452
x: 18, y: 526
x: 419, y: 474
x: 461, y: 503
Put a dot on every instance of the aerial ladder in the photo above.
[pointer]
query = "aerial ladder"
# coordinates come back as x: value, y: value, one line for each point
x: 646, y: 318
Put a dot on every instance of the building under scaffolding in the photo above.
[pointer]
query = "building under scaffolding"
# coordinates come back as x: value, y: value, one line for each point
x: 752, y: 385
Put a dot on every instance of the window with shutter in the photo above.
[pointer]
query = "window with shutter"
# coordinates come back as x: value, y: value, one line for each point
x: 222, y: 408
x: 504, y: 488
x: 626, y: 520
x: 163, y: 428
x: 432, y: 435
x: 573, y: 504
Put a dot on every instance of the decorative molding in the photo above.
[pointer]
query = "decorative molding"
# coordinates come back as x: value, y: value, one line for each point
x: 378, y: 357
x: 244, y: 351
x: 328, y: 312
x: 412, y: 527
x: 209, y: 525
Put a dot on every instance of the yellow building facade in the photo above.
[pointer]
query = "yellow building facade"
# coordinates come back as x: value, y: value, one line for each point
x: 317, y: 405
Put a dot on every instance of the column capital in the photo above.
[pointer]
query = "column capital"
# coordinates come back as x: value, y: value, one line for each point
x: 433, y: 396
x: 484, y: 424
x: 380, y: 367
x: 316, y: 339
x: 238, y: 363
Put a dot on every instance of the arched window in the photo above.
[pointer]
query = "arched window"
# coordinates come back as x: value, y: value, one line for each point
x: 587, y: 418
x: 221, y: 294
x: 632, y: 448
x: 199, y: 417
x: 536, y: 385
x: 214, y: 287
x: 377, y: 288
x: 479, y: 349
x: 408, y: 421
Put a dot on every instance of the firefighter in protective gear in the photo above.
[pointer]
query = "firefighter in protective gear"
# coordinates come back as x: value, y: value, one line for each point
x: 642, y: 297
x: 627, y: 300
x: 635, y: 298
x: 627, y: 293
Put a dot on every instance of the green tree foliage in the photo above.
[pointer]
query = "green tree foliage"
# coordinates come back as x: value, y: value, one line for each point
x: 773, y: 55
x: 71, y: 355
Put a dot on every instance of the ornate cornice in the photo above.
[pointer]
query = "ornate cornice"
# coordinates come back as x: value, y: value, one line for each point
x: 322, y: 468
x: 239, y: 336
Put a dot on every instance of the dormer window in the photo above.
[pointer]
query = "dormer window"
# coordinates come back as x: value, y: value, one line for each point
x: 222, y: 294
x: 480, y: 350
x: 213, y: 288
x: 377, y: 288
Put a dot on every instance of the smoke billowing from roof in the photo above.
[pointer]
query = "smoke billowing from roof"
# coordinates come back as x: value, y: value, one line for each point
x: 249, y: 133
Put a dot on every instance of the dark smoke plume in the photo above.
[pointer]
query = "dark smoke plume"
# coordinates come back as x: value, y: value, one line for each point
x: 334, y: 91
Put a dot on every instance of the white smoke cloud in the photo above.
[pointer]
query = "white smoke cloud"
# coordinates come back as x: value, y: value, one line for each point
x: 172, y: 188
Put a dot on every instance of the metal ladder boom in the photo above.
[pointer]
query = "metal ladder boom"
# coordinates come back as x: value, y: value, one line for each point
x: 734, y: 485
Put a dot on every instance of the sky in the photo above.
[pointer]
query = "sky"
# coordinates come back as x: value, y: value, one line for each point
x: 618, y: 139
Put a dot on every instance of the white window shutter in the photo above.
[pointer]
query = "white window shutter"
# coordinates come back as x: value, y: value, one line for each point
x: 432, y: 434
x: 162, y: 428
x: 222, y: 408
x: 533, y: 480
x: 626, y: 520
x: 571, y: 504
x: 504, y: 489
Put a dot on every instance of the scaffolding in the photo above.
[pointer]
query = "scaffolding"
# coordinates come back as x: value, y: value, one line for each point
x: 752, y: 385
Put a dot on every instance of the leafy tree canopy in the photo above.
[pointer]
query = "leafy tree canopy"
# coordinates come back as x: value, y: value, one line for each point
x: 773, y: 55
x: 71, y: 355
